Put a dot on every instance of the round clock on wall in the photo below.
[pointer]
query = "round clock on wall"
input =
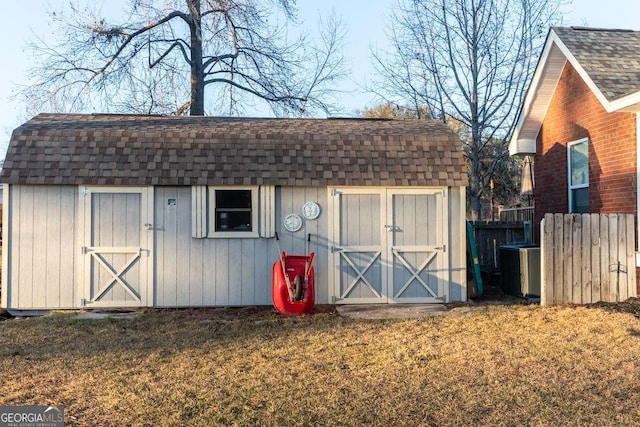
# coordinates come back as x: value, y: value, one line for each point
x: 311, y: 210
x: 293, y: 222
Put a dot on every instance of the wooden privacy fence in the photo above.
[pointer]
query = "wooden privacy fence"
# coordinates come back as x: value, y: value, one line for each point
x: 516, y: 214
x: 587, y: 258
x: 490, y: 235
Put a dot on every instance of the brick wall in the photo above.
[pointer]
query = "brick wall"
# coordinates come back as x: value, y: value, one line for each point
x: 576, y: 113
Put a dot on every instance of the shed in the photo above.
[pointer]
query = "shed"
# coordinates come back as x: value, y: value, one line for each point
x: 154, y: 211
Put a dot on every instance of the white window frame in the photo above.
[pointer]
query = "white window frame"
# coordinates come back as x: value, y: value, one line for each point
x: 570, y: 186
x: 254, y: 233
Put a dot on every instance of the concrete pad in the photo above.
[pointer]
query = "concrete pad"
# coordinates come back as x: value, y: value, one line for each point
x: 390, y: 311
x: 99, y: 314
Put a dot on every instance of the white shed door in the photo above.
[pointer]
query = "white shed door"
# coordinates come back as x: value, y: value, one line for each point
x: 118, y: 238
x: 417, y: 234
x: 389, y: 245
x: 358, y: 257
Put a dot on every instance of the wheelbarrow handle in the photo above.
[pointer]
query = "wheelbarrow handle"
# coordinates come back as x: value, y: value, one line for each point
x: 307, y: 267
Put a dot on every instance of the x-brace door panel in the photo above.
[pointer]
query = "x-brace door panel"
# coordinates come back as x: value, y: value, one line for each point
x: 361, y: 273
x: 417, y: 275
x: 115, y: 274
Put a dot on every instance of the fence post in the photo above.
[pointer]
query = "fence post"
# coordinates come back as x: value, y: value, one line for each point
x: 596, y: 274
x: 631, y: 257
x: 585, y: 248
x: 543, y: 270
x: 546, y: 260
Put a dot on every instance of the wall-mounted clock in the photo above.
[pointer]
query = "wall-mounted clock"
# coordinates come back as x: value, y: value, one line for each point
x: 311, y: 210
x: 293, y: 222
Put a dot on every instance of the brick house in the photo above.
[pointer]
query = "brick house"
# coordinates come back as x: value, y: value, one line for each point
x: 580, y: 119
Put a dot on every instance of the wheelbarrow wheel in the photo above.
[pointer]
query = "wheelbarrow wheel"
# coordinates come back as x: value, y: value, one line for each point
x: 298, y: 288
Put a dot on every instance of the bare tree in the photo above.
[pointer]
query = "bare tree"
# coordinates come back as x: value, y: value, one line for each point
x: 165, y: 54
x: 470, y: 61
x: 388, y: 110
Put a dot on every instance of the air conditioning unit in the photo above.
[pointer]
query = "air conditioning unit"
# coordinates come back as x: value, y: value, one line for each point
x: 520, y: 270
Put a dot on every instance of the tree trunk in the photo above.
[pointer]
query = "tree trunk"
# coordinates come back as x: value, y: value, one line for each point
x: 197, y: 71
x: 475, y: 203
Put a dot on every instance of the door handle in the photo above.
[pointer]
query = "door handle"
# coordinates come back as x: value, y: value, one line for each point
x: 149, y: 226
x: 391, y: 227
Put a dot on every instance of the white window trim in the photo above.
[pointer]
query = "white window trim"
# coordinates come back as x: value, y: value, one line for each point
x: 578, y: 186
x: 254, y: 233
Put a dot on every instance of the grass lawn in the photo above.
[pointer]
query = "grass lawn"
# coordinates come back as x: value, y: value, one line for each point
x: 498, y: 365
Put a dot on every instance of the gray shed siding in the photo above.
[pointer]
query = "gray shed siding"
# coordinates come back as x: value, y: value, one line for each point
x: 458, y: 244
x: 205, y: 272
x: 40, y: 246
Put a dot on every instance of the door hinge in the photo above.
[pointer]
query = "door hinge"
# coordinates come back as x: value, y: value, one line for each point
x: 335, y: 249
x: 335, y: 192
x: 86, y: 191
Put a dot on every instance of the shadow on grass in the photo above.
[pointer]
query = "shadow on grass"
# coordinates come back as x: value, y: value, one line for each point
x: 630, y: 306
x: 167, y: 330
x: 493, y: 295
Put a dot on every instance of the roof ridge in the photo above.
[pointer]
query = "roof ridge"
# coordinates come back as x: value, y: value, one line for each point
x: 596, y: 29
x: 112, y: 119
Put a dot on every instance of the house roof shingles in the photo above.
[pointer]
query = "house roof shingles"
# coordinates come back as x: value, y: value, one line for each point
x: 105, y: 149
x: 610, y: 57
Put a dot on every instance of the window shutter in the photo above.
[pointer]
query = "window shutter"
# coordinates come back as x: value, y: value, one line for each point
x: 199, y: 211
x: 267, y: 210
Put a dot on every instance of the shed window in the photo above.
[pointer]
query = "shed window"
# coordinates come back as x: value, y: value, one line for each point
x: 233, y: 211
x: 578, y: 160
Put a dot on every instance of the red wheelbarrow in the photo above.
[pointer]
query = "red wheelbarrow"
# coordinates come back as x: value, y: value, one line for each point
x: 292, y: 282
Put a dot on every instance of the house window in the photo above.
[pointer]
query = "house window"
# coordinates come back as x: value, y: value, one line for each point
x: 578, y: 160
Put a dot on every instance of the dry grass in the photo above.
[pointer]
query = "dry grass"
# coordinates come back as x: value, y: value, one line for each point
x: 501, y: 365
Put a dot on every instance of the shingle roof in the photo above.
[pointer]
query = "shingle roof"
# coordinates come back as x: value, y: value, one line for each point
x: 611, y: 58
x: 109, y: 149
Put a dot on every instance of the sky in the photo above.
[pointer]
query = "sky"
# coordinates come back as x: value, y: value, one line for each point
x: 365, y: 21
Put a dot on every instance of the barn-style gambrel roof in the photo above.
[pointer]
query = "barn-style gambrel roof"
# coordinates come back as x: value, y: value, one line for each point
x: 105, y: 149
x: 608, y: 61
